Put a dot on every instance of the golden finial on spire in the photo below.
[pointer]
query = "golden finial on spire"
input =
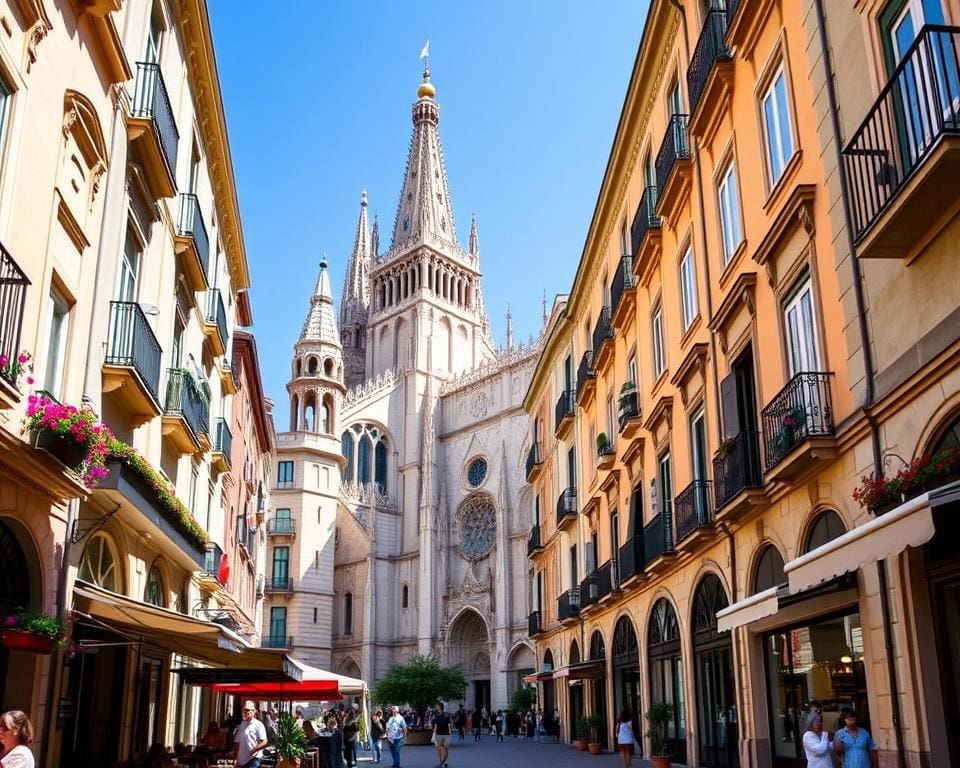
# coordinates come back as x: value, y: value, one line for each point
x: 426, y: 89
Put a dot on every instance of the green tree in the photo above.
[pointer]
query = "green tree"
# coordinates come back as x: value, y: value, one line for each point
x: 421, y: 683
x: 523, y: 698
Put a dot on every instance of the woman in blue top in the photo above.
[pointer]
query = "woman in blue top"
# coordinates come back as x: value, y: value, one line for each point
x: 855, y: 745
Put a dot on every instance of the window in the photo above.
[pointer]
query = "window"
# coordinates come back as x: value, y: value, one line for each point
x: 346, y: 447
x: 666, y: 483
x: 688, y: 289
x: 154, y: 592
x: 777, y: 129
x: 285, y: 474
x: 477, y: 472
x: 380, y: 466
x: 730, y: 212
x: 281, y: 567
x: 58, y: 323
x: 659, y: 358
x: 405, y: 597
x: 363, y: 461
x: 675, y: 98
x: 98, y: 565
x: 610, y: 422
x: 574, y: 566
x: 539, y: 596
x: 283, y: 522
x: 536, y: 511
x: 769, y: 571
x: 632, y: 369
x: 348, y: 614
x: 800, y: 330
x: 154, y: 35
x: 129, y: 269
x: 176, y: 349
x: 192, y: 494
x: 278, y: 626
x: 6, y: 98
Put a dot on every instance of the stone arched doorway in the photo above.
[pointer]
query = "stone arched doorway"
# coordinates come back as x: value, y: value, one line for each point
x: 16, y: 591
x: 666, y: 673
x: 520, y: 663
x: 598, y: 685
x: 626, y: 671
x: 468, y: 646
x: 549, y: 693
x: 574, y: 694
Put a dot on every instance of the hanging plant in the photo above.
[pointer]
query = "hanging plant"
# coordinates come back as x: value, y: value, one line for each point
x: 923, y: 474
x: 17, y: 368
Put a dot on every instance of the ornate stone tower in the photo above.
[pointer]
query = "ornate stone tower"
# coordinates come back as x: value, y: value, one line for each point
x: 355, y: 299
x: 426, y: 305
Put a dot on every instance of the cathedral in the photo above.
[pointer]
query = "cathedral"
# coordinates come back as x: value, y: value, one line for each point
x: 401, y: 508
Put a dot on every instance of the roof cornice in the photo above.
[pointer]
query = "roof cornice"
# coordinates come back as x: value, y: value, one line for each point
x: 245, y: 347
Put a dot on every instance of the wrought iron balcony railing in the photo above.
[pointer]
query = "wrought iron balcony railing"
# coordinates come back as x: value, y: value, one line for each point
x: 608, y: 578
x: 568, y: 604
x: 711, y: 47
x: 216, y: 314
x: 603, y: 330
x: 566, y: 505
x: 645, y: 219
x: 919, y: 105
x: 533, y: 540
x: 534, y: 623
x: 693, y: 508
x: 566, y: 407
x: 190, y: 224
x: 150, y: 100
x: 585, y: 371
x: 674, y: 147
x: 628, y: 407
x: 276, y: 641
x: 622, y: 282
x: 132, y: 343
x: 222, y: 438
x: 533, y: 458
x: 736, y: 466
x: 658, y: 535
x: 280, y: 584
x: 802, y: 409
x: 13, y: 298
x: 589, y: 590
x: 281, y: 526
x: 185, y: 399
x: 631, y: 557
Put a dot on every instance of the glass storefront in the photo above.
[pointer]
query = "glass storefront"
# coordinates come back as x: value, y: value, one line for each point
x: 819, y: 667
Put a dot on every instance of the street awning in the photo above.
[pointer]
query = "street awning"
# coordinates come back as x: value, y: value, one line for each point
x: 749, y: 609
x: 538, y: 677
x: 909, y: 525
x: 587, y: 670
x: 194, y: 638
x: 349, y: 686
x: 315, y: 685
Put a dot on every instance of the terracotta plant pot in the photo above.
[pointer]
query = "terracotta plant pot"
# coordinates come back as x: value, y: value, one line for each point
x: 661, y: 761
x: 14, y: 640
x: 581, y: 744
x: 286, y: 763
x: 595, y: 748
x: 69, y: 452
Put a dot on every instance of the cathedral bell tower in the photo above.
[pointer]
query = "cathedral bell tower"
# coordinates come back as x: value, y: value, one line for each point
x: 355, y: 299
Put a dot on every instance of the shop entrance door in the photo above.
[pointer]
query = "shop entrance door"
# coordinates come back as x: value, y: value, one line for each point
x: 575, y: 699
x: 626, y: 673
x: 481, y: 694
x: 146, y: 713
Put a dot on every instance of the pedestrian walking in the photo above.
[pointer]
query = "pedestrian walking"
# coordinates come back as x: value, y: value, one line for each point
x: 351, y: 731
x: 477, y: 722
x: 16, y: 736
x: 555, y: 726
x: 461, y: 721
x: 396, y: 733
x: 249, y: 740
x: 816, y: 742
x: 540, y: 731
x: 625, y: 736
x: 441, y: 736
x: 376, y: 735
x: 498, y: 724
x: 855, y: 745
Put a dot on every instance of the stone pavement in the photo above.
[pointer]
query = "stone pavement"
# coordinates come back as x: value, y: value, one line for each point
x: 512, y: 753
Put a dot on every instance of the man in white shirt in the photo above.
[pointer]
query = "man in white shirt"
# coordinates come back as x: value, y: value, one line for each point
x: 250, y: 739
x: 396, y: 733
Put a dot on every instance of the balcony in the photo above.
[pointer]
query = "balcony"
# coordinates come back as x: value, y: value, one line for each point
x: 153, y: 131
x: 907, y: 151
x: 606, y: 453
x: 628, y: 411
x: 710, y: 74
x: 261, y: 587
x: 281, y: 526
x: 602, y: 340
x: 192, y: 243
x: 534, y: 462
x: 673, y: 166
x: 215, y: 322
x: 568, y: 605
x: 534, y: 624
x: 227, y: 382
x: 276, y: 641
x: 210, y: 575
x: 645, y: 235
x: 694, y: 513
x: 737, y: 476
x: 623, y: 292
x: 566, y: 507
x: 186, y: 416
x: 534, y: 544
x: 564, y: 412
x: 222, y: 445
x: 279, y: 585
x: 131, y: 368
x: 13, y: 298
x: 631, y: 560
x: 589, y: 592
x: 798, y: 430
x: 608, y: 579
x: 658, y: 548
x: 586, y: 378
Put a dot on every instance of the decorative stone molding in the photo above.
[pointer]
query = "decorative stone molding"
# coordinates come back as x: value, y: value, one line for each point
x: 370, y: 387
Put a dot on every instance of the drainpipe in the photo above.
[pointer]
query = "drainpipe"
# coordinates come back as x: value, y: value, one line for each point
x: 870, y: 392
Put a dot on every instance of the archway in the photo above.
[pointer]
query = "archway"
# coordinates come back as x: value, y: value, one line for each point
x: 598, y: 684
x: 520, y: 662
x: 16, y: 678
x: 666, y: 674
x: 626, y: 671
x: 574, y: 694
x: 468, y: 646
x: 549, y: 699
x: 713, y: 667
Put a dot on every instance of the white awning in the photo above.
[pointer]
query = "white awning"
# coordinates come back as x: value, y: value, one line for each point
x: 909, y: 525
x: 749, y: 609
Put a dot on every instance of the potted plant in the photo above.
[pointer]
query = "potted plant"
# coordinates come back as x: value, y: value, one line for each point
x: 659, y: 716
x: 583, y: 731
x: 594, y: 726
x: 785, y: 437
x: 291, y: 741
x: 72, y: 435
x: 32, y: 631
x: 15, y: 369
x: 880, y: 494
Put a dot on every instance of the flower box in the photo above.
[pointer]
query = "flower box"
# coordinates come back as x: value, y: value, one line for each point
x: 68, y: 451
x: 16, y: 640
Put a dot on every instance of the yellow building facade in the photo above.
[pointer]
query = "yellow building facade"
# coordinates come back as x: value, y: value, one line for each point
x: 762, y: 315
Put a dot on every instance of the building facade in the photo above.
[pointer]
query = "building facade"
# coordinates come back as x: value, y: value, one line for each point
x: 400, y: 503
x: 728, y: 367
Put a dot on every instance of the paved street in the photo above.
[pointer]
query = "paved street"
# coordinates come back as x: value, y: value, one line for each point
x: 510, y: 754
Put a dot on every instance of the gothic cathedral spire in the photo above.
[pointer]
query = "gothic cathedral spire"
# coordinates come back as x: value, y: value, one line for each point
x: 355, y: 299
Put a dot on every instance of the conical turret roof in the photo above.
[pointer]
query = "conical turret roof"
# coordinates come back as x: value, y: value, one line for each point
x: 321, y: 325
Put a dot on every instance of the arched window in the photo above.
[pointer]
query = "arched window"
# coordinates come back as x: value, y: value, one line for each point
x: 405, y: 597
x: 348, y: 614
x: 309, y: 416
x: 598, y: 650
x: 299, y: 366
x: 98, y: 564
x: 380, y: 466
x: 769, y: 572
x: 346, y: 447
x: 327, y: 415
x: 312, y: 366
x: 154, y: 593
x: 548, y: 659
x: 666, y: 672
x: 328, y: 366
x: 826, y: 528
x: 363, y: 461
x: 294, y: 412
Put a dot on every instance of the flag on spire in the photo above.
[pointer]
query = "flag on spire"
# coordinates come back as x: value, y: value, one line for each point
x: 425, y: 51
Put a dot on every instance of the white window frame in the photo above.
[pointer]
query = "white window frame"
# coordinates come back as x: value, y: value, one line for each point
x: 659, y: 353
x: 56, y: 347
x: 778, y: 156
x: 689, y: 304
x: 728, y: 197
x: 803, y: 350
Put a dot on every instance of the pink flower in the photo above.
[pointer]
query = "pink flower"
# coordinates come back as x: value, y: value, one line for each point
x: 30, y: 380
x: 24, y: 357
x: 3, y: 361
x: 11, y: 620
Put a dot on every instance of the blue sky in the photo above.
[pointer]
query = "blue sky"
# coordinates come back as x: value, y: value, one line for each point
x: 318, y: 96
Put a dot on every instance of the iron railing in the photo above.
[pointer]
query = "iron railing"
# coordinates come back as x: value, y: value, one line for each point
x: 674, y: 147
x: 568, y: 604
x: 13, y: 299
x: 222, y: 438
x: 280, y: 584
x: 585, y: 371
x: 281, y: 526
x: 190, y: 224
x: 802, y: 409
x: 565, y: 408
x: 693, y: 508
x: 589, y: 590
x: 211, y: 559
x: 150, y: 100
x: 276, y: 641
x: 631, y: 557
x: 658, y: 535
x: 736, y: 466
x: 566, y: 504
x: 622, y: 281
x: 534, y: 624
x: 185, y: 399
x: 533, y: 458
x: 917, y: 107
x: 132, y: 343
x: 216, y: 314
x: 603, y: 330
x: 711, y: 47
x: 608, y: 578
x: 533, y: 540
x: 644, y: 220
x: 628, y: 407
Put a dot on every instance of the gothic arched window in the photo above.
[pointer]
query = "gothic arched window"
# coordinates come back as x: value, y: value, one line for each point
x: 405, y: 597
x: 348, y: 613
x: 312, y: 365
x: 154, y: 591
x: 363, y: 461
x: 380, y: 466
x: 346, y: 447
